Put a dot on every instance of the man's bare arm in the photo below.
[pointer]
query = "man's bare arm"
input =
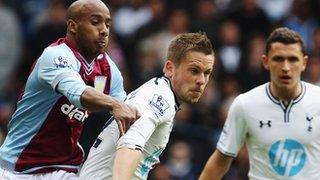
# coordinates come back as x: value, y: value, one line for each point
x: 216, y: 167
x: 125, y: 163
x: 125, y: 115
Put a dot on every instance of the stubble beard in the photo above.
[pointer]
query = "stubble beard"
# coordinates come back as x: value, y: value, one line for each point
x: 190, y: 100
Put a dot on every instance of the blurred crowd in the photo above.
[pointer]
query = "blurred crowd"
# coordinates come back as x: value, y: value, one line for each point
x: 141, y: 31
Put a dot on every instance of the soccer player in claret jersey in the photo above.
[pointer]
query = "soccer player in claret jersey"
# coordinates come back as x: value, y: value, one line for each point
x: 278, y: 121
x: 72, y: 76
x: 187, y: 70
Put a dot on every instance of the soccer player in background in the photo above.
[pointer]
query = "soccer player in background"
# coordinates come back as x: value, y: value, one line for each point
x: 74, y: 75
x: 278, y: 121
x: 187, y: 70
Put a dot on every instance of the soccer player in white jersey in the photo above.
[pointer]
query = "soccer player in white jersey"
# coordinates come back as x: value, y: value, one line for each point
x: 278, y: 121
x: 187, y: 71
x: 72, y: 76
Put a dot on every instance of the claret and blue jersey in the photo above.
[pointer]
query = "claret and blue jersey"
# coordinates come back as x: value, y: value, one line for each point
x: 45, y: 128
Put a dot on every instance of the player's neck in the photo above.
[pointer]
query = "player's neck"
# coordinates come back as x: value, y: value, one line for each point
x: 86, y: 55
x: 285, y: 94
x: 89, y: 57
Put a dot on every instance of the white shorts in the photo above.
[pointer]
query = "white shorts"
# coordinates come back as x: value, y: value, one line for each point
x: 55, y: 175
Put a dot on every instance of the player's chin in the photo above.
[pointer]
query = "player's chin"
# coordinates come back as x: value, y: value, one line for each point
x: 98, y: 52
x: 192, y: 99
x: 286, y: 84
x: 101, y: 50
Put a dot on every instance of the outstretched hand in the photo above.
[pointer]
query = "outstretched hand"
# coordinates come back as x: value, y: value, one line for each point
x: 125, y: 115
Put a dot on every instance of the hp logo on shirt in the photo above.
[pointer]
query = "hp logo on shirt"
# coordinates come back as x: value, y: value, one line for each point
x: 287, y: 157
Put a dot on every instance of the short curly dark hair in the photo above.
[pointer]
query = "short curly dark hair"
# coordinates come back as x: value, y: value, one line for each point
x: 286, y: 36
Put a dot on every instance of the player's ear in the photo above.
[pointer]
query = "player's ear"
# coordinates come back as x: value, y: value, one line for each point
x: 305, y: 61
x: 265, y: 60
x: 72, y: 26
x: 168, y: 68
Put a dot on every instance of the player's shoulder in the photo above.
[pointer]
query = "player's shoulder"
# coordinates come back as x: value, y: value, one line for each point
x: 311, y: 89
x: 162, y: 100
x: 61, y: 55
x: 255, y: 93
x: 154, y: 90
x: 61, y: 49
x: 251, y: 98
x: 155, y: 95
x: 160, y: 86
x: 245, y: 102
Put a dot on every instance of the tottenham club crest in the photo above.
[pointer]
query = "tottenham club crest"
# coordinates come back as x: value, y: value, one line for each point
x: 159, y: 104
x: 309, y: 121
x: 61, y: 62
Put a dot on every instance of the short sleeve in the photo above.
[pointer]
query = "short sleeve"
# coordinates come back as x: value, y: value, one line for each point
x: 234, y: 131
x: 139, y: 133
x: 59, y: 71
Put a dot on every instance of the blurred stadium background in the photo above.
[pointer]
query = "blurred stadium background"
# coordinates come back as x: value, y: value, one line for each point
x: 141, y: 32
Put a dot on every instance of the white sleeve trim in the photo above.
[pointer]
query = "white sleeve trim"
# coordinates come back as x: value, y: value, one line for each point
x: 225, y: 152
x: 130, y: 146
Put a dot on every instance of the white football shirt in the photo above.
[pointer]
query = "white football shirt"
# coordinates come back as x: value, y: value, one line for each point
x: 157, y: 104
x: 283, y: 142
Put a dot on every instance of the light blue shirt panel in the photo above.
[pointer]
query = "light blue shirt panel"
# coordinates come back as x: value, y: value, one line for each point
x: 60, y: 70
x: 116, y: 86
